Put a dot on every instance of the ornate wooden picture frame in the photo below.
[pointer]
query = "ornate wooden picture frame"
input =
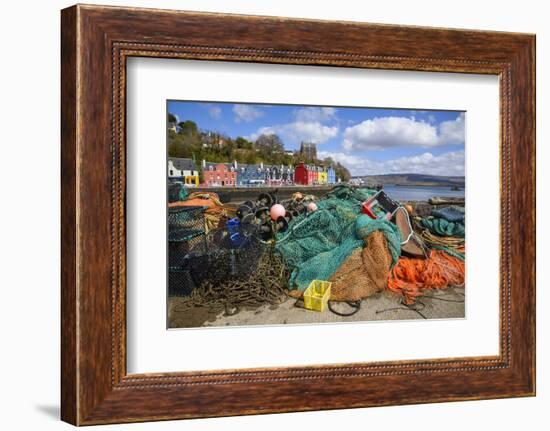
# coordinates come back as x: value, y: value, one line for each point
x: 96, y: 41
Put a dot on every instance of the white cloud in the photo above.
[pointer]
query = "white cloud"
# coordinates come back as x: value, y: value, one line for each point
x: 308, y: 114
x: 386, y: 132
x: 215, y: 111
x: 452, y: 131
x: 449, y: 164
x: 246, y: 113
x: 294, y: 133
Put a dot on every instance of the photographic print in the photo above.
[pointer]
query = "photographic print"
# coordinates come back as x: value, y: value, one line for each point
x: 294, y: 214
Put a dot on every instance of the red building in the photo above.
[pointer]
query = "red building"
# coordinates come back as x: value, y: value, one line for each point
x: 219, y: 175
x: 305, y: 175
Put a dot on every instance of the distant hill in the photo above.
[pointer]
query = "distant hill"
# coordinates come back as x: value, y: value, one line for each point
x: 414, y: 180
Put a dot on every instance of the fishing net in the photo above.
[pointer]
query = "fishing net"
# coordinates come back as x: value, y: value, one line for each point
x: 220, y: 257
x: 265, y: 285
x: 317, y: 243
x: 176, y: 192
x: 186, y: 232
x: 365, y: 272
x: 215, y: 212
x: 443, y: 227
x: 452, y: 213
x: 411, y: 276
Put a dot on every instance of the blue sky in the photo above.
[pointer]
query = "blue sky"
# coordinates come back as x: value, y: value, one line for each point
x: 366, y: 140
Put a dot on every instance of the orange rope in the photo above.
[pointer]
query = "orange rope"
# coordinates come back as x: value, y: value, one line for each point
x: 439, y: 271
x: 215, y: 210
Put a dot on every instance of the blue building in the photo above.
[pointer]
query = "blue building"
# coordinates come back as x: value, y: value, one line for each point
x: 248, y: 175
x: 260, y: 174
x: 331, y: 175
x: 279, y: 174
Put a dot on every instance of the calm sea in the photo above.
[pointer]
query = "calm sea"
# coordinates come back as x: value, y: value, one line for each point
x: 420, y: 193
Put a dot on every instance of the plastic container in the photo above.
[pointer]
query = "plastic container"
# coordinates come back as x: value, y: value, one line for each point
x: 317, y: 294
x: 234, y: 228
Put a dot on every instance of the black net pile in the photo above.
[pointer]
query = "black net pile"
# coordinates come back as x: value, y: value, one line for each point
x: 186, y: 234
x: 230, y: 262
x: 264, y: 284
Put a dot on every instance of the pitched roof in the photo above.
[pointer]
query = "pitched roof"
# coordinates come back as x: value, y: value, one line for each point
x: 214, y: 164
x: 183, y: 164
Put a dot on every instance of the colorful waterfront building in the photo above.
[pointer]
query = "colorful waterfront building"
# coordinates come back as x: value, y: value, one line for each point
x: 219, y: 174
x: 305, y: 174
x: 322, y: 175
x: 273, y: 174
x: 259, y: 174
x: 250, y: 175
x: 287, y: 174
x: 331, y: 175
x: 183, y: 170
x: 279, y: 174
x: 315, y: 175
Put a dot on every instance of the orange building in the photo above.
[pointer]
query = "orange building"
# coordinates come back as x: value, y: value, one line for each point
x: 219, y: 174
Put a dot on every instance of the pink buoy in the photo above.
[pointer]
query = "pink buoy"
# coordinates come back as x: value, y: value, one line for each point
x: 312, y: 206
x: 277, y: 211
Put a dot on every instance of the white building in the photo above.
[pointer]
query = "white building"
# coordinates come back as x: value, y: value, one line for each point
x: 184, y: 170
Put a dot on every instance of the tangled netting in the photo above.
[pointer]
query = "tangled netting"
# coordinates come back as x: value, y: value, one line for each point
x: 316, y: 244
x: 265, y: 285
x: 411, y: 275
x: 452, y: 213
x: 215, y: 212
x: 447, y: 222
x: 364, y: 272
x: 450, y: 242
x: 176, y: 192
x: 252, y: 260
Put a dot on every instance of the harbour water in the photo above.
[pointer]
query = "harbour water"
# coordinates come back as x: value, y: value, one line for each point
x: 420, y: 193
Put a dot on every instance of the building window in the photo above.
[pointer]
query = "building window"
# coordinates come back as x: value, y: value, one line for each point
x: 171, y: 172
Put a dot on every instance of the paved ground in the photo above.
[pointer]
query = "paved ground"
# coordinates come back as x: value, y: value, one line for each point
x: 441, y: 304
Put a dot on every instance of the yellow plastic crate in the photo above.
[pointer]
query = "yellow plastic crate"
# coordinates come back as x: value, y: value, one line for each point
x: 317, y: 294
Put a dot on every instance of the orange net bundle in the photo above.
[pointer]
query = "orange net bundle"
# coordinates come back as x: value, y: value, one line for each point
x: 439, y: 271
x: 215, y: 210
x: 364, y: 272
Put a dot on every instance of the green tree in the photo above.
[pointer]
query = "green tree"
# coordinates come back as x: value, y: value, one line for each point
x: 243, y: 143
x: 189, y: 128
x: 269, y: 146
x: 251, y: 157
x: 342, y: 172
x: 172, y: 118
x: 178, y: 146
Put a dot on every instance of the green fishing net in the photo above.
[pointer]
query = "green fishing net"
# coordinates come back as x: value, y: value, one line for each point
x: 177, y: 192
x: 442, y: 227
x: 317, y: 243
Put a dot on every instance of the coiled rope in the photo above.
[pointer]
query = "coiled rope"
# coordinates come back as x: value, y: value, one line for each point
x: 265, y: 286
x: 411, y: 275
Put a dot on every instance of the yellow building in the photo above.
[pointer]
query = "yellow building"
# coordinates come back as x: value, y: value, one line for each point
x: 183, y: 170
x: 192, y: 179
x: 322, y: 176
